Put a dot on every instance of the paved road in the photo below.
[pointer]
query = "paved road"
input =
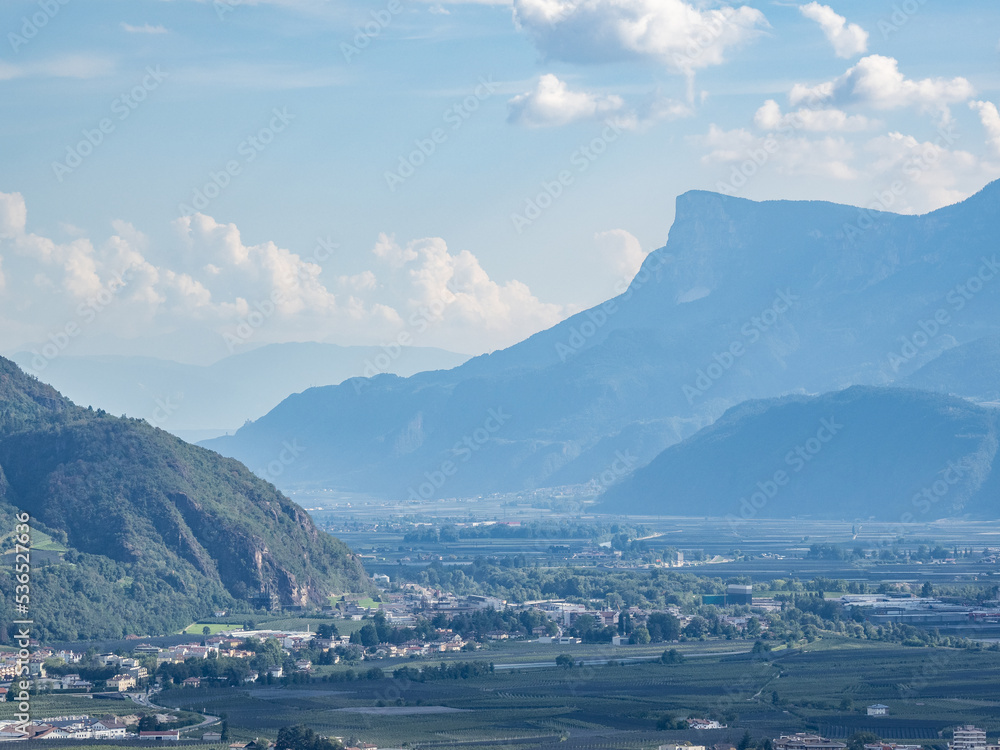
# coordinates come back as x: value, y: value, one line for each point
x: 143, y: 699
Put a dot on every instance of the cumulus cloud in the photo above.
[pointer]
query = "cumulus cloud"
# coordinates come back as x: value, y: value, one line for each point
x: 875, y: 81
x: 792, y: 156
x: 847, y: 39
x: 458, y: 298
x: 673, y: 33
x: 990, y: 118
x: 552, y: 103
x: 770, y: 117
x: 930, y: 172
x: 205, y: 276
x: 622, y: 251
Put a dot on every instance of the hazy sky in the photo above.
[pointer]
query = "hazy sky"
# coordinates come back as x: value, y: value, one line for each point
x: 186, y: 179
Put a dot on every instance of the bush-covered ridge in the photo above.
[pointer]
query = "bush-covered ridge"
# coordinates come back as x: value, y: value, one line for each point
x: 159, y: 532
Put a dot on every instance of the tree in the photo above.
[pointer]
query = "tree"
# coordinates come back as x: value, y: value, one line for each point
x: 564, y: 660
x: 858, y: 740
x: 327, y: 630
x: 639, y: 636
x: 368, y: 636
x: 148, y: 724
x: 301, y: 737
x: 672, y: 656
x: 927, y: 590
x: 697, y: 627
x: 206, y: 630
x: 746, y: 741
x: 663, y: 627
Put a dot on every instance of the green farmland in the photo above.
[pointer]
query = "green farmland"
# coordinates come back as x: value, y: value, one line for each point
x: 824, y: 686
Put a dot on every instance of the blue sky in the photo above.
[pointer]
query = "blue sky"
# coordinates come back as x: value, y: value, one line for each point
x: 614, y: 107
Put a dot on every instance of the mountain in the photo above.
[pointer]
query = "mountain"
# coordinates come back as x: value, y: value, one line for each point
x: 136, y: 531
x: 746, y: 300
x: 197, y: 402
x: 970, y: 370
x: 888, y: 454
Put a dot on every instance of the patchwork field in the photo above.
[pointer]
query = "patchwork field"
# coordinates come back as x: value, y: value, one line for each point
x: 824, y: 686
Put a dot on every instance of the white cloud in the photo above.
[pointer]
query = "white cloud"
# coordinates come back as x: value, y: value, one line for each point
x: 793, y: 156
x: 621, y: 251
x: 552, y: 103
x: 208, y: 278
x: 931, y: 174
x: 847, y: 39
x: 459, y: 299
x: 875, y: 81
x: 671, y: 32
x: 650, y: 109
x: 770, y: 117
x: 990, y: 118
x: 70, y: 66
x: 144, y: 29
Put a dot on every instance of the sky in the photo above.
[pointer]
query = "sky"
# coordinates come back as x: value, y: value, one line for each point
x: 188, y: 179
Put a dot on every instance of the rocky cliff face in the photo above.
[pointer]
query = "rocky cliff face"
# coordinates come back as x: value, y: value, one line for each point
x: 746, y: 300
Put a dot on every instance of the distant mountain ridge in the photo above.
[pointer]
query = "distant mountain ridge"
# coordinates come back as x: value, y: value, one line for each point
x: 887, y: 454
x: 970, y: 370
x: 148, y: 533
x: 747, y: 300
x: 190, y: 399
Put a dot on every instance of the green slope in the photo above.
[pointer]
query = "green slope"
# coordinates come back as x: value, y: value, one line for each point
x: 159, y: 532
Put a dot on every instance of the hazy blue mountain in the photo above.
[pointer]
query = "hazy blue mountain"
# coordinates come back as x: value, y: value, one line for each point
x: 885, y: 453
x: 970, y: 370
x: 187, y: 399
x: 136, y: 531
x: 746, y: 300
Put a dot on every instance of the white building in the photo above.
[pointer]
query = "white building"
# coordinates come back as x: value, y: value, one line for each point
x: 968, y: 737
x: 878, y: 710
